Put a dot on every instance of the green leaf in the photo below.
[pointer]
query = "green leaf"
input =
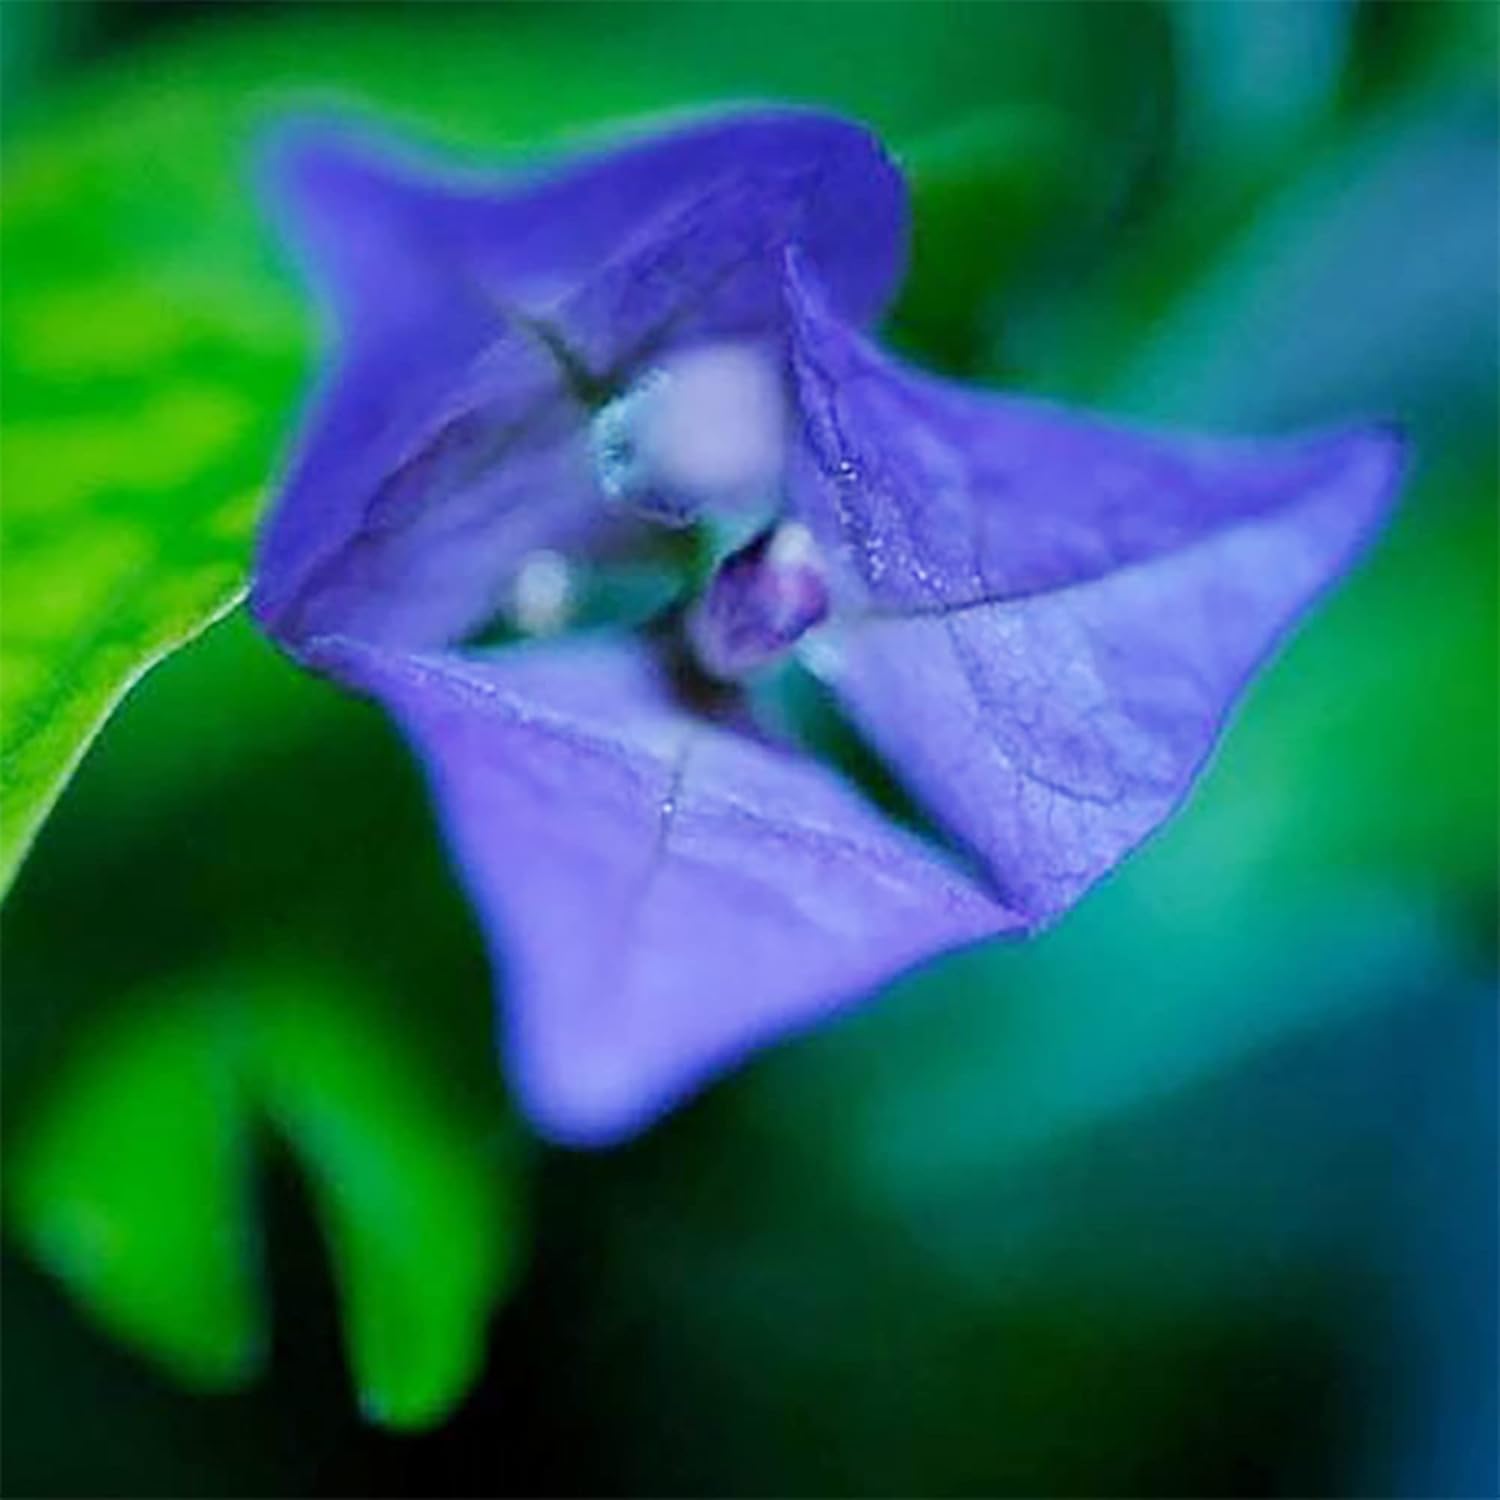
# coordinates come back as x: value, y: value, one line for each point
x: 140, y: 413
x: 1253, y: 304
x: 131, y: 1180
x: 1254, y: 79
x: 404, y: 1177
x: 1297, y: 321
x: 35, y: 35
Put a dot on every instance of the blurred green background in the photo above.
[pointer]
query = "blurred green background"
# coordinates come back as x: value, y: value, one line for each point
x: 1194, y: 1195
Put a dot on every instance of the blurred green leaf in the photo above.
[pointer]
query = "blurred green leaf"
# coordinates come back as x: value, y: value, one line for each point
x: 1444, y: 45
x: 1368, y: 753
x: 34, y: 32
x: 1365, y: 284
x: 132, y: 1181
x: 1254, y: 77
x: 405, y: 1181
x: 1356, y: 278
x: 131, y: 1184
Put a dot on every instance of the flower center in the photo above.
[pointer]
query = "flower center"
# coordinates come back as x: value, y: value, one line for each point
x: 699, y: 441
x: 760, y: 602
x: 703, y: 431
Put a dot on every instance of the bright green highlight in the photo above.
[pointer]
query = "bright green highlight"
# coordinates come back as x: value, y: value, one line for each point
x: 131, y: 1181
x: 140, y: 414
x: 134, y: 1183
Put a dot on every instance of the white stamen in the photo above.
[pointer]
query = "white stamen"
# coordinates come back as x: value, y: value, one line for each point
x: 542, y: 593
x: 705, y: 428
x: 792, y: 546
x: 616, y: 439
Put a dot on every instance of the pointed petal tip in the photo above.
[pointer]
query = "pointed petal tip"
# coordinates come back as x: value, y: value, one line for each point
x: 1390, y: 441
x: 304, y: 172
x: 1378, y: 457
x: 587, y: 1109
x: 1384, y: 443
x: 351, y: 201
x: 298, y: 156
x: 320, y: 177
x: 592, y: 1093
x: 293, y: 156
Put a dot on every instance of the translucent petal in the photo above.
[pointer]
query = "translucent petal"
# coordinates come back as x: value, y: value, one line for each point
x: 660, y: 893
x: 1048, y: 617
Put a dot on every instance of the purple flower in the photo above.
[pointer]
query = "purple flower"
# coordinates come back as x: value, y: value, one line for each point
x: 641, y: 378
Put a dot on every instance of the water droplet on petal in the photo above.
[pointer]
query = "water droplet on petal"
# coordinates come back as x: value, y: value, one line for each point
x: 821, y: 656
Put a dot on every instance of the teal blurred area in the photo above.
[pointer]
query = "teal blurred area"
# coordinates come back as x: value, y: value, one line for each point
x: 1196, y: 1195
